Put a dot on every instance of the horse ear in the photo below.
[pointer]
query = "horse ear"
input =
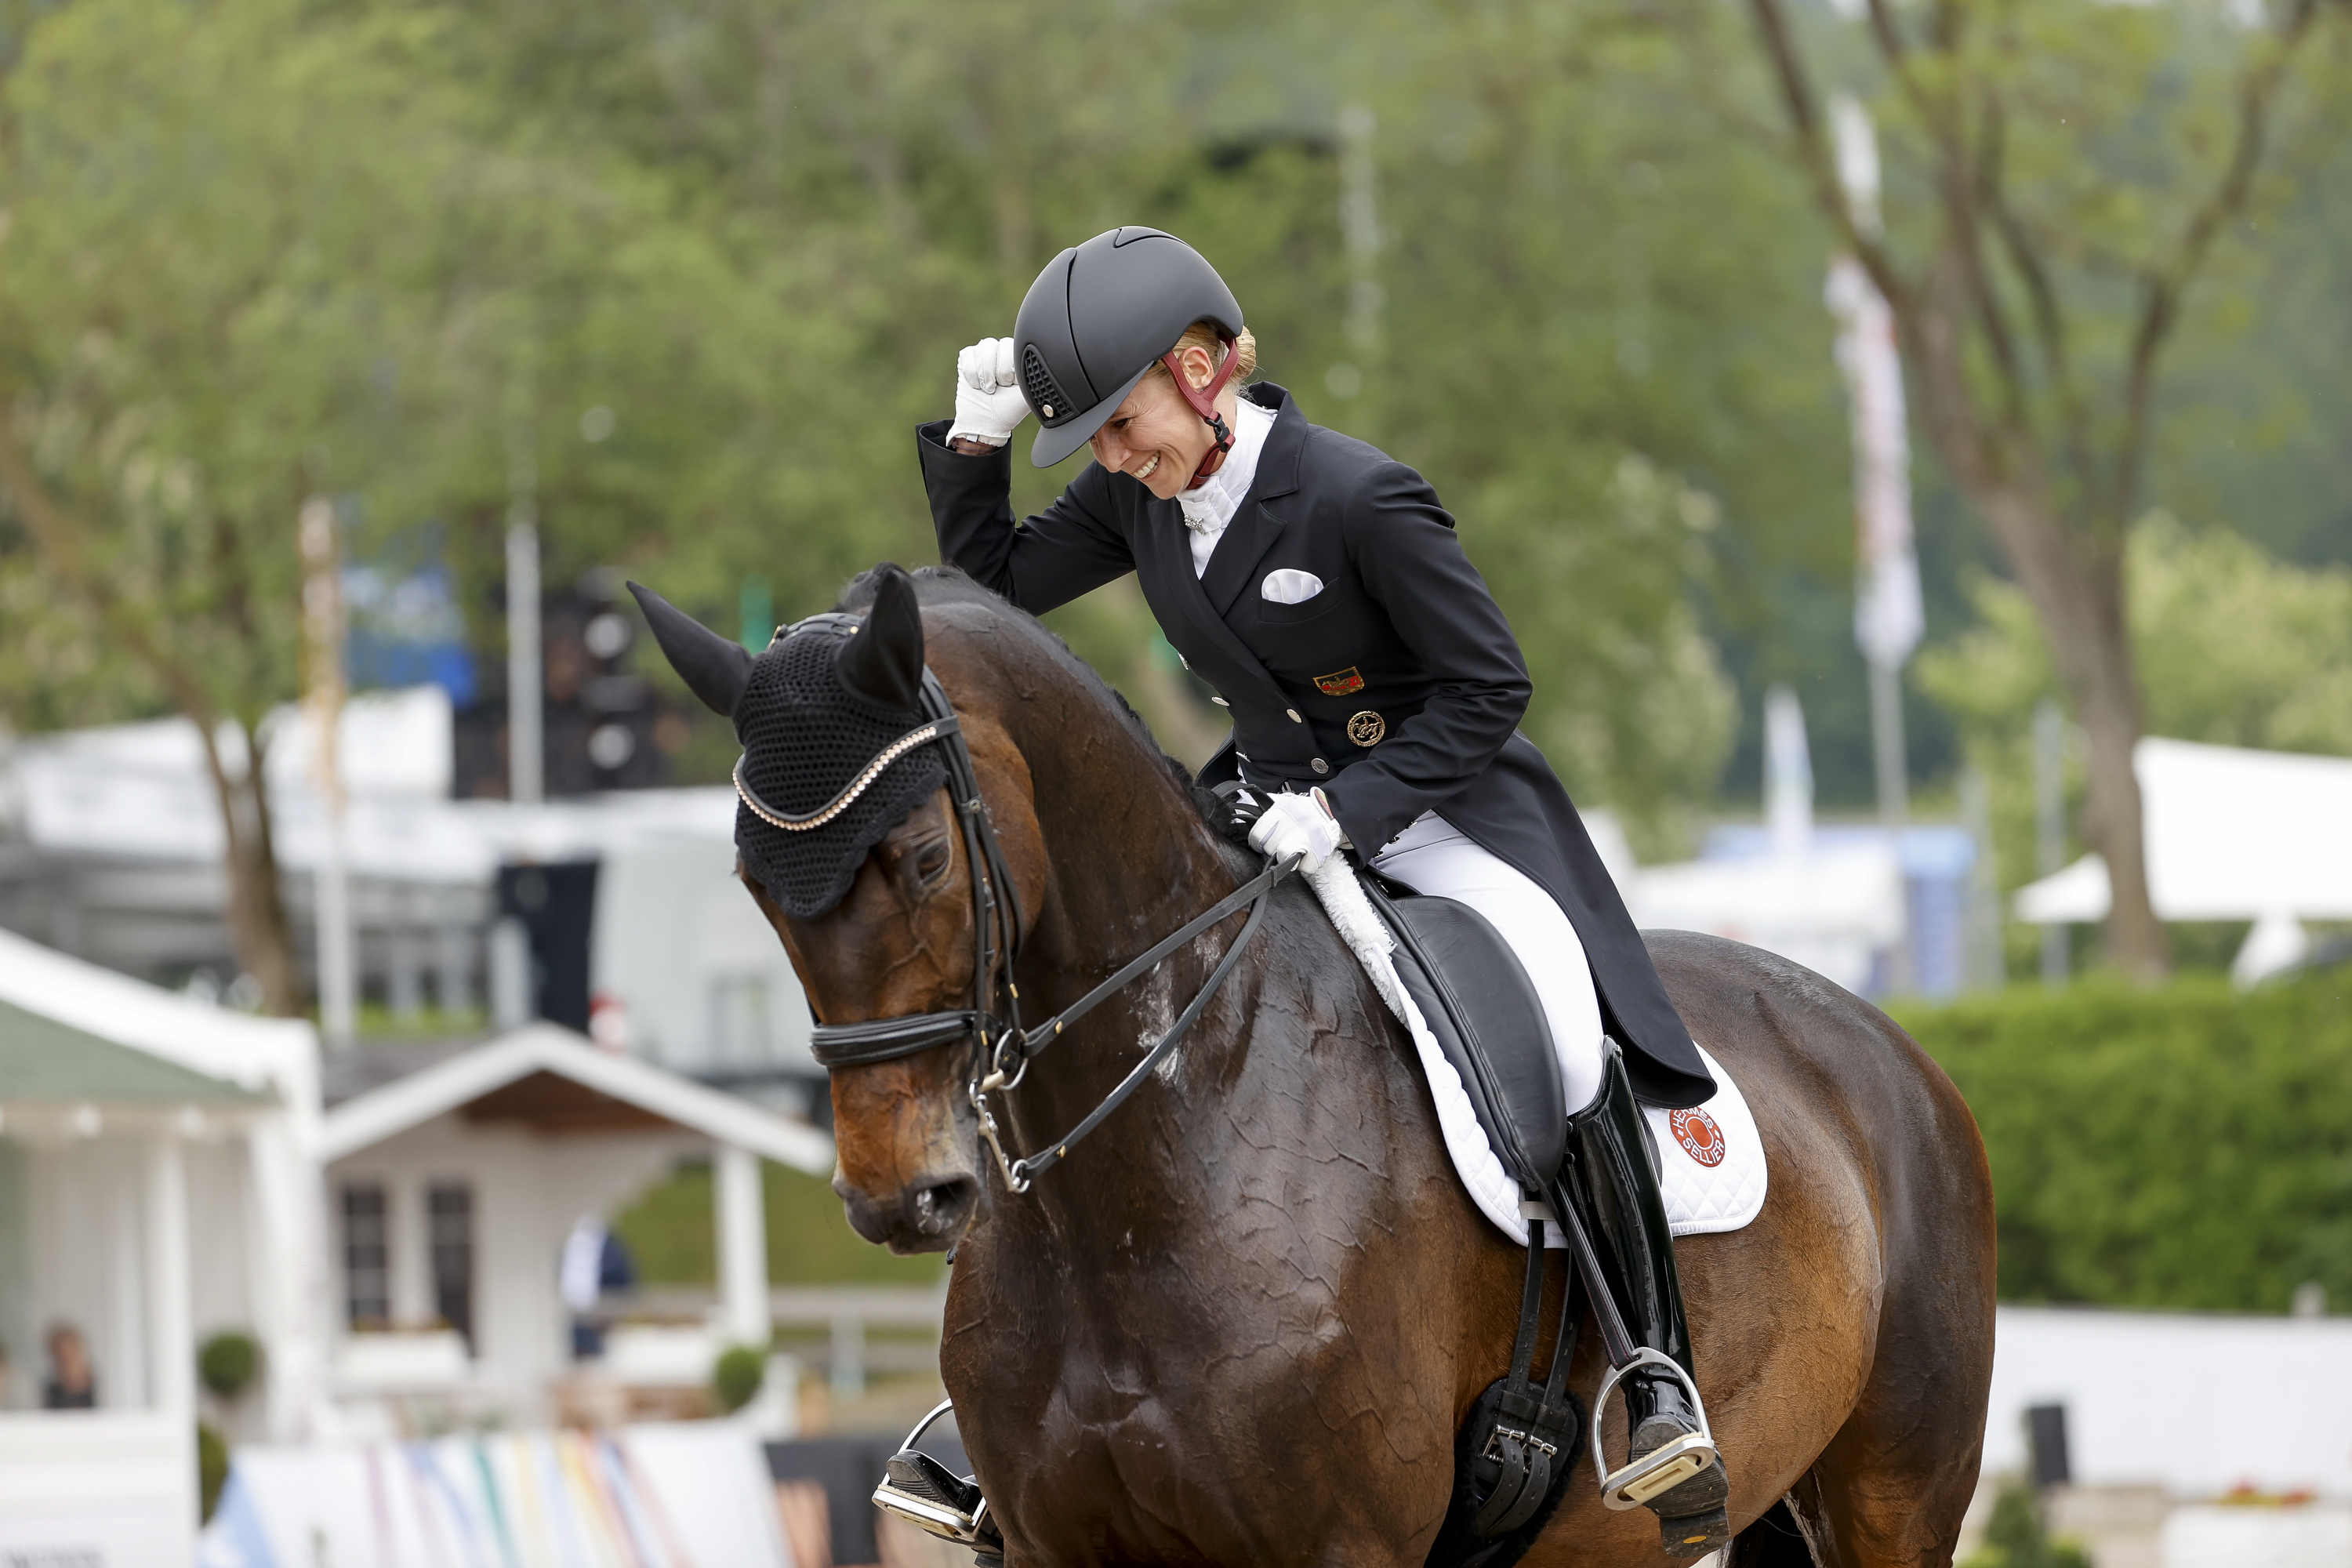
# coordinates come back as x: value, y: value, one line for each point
x: 714, y: 666
x: 883, y: 663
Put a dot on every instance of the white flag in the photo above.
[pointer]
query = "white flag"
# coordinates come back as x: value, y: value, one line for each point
x: 1887, y: 619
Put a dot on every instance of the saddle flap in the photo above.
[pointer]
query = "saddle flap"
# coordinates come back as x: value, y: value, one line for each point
x: 1478, y: 1002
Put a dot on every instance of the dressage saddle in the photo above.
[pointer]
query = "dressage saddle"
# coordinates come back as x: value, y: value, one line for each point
x: 1478, y: 1002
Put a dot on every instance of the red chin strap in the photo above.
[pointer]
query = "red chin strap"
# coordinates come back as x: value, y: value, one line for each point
x: 1204, y: 403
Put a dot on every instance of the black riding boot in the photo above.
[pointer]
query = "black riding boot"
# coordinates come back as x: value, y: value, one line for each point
x: 1614, y: 1187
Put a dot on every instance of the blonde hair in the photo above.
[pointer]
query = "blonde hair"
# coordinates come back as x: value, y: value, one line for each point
x: 1203, y: 334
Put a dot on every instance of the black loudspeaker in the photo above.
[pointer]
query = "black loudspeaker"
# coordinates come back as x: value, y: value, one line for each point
x: 2045, y: 1435
x: 556, y: 903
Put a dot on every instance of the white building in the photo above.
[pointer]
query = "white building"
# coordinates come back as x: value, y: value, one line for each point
x: 167, y: 1171
x: 155, y: 1184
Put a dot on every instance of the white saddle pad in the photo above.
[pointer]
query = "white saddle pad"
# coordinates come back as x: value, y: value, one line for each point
x: 1711, y: 1158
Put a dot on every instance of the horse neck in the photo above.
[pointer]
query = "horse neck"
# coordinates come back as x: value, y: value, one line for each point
x: 1129, y: 856
x: 1131, y: 861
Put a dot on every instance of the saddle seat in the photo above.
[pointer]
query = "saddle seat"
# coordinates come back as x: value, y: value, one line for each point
x: 1479, y: 1004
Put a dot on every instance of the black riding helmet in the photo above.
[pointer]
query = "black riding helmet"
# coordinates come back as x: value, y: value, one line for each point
x: 1098, y: 317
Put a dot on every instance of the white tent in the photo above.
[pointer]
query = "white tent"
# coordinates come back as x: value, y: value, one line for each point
x: 2231, y: 835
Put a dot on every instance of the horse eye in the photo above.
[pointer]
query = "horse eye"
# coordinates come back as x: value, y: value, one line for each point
x: 932, y: 863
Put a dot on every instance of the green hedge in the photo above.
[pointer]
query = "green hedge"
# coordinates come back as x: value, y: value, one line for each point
x: 669, y: 1231
x: 2188, y: 1146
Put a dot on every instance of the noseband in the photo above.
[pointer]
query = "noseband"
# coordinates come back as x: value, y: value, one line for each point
x: 1003, y: 1048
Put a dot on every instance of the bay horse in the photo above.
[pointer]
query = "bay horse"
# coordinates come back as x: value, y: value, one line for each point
x: 1244, y: 1323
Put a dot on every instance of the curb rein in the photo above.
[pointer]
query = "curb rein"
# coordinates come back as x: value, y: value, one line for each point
x: 1005, y: 1049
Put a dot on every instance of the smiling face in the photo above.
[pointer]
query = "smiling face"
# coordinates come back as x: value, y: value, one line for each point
x: 1155, y: 436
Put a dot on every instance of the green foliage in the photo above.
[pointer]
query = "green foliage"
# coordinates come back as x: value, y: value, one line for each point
x: 2184, y: 1147
x: 736, y: 1376
x: 2015, y: 1537
x: 668, y: 1230
x: 212, y: 1469
x: 758, y: 232
x: 2235, y: 649
x: 227, y: 1363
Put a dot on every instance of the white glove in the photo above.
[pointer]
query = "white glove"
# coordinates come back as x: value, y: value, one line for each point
x: 989, y: 405
x: 1298, y: 824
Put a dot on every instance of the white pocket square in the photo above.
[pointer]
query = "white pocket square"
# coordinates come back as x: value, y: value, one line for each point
x: 1290, y: 586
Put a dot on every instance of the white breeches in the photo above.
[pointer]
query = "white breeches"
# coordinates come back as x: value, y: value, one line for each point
x: 1431, y: 857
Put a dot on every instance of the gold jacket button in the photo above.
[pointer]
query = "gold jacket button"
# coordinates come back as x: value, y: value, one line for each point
x: 1319, y: 765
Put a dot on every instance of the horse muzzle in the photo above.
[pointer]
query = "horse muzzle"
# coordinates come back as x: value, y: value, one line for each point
x: 928, y: 1213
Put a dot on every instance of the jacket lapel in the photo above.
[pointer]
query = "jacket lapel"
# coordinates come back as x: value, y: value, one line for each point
x: 1163, y: 560
x: 1255, y: 526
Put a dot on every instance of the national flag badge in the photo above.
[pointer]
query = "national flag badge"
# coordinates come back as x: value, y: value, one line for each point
x: 1346, y: 683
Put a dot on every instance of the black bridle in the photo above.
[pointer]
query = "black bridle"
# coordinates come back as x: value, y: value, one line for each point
x: 1005, y: 1049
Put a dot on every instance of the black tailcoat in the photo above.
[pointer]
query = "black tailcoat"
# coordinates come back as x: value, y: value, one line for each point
x: 1398, y: 688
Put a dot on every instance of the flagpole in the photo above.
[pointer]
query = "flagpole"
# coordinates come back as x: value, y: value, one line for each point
x: 322, y: 615
x: 1888, y: 614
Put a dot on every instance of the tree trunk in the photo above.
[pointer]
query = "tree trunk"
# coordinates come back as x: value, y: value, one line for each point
x: 2074, y: 578
x: 256, y: 912
x: 257, y: 906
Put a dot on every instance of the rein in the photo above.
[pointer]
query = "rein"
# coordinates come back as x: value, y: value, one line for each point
x: 1005, y: 1048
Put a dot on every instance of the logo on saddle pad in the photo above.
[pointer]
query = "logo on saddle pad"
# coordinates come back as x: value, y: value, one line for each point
x: 1340, y: 685
x: 1701, y: 1139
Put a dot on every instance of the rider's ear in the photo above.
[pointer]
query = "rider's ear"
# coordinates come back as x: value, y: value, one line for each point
x: 884, y: 662
x: 715, y: 668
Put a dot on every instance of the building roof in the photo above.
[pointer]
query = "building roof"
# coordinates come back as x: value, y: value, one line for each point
x: 260, y: 1055
x: 552, y: 1079
x: 44, y: 1061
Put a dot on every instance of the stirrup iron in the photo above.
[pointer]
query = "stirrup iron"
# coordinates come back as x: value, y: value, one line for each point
x: 1665, y: 1467
x: 924, y: 1492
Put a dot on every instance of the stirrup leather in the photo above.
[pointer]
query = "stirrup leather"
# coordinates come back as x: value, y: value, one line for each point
x: 1667, y: 1466
x: 934, y: 1499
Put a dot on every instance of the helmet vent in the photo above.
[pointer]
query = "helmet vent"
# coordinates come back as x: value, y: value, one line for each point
x: 1037, y: 384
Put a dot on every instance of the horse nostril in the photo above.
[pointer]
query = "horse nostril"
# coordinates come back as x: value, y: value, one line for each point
x: 941, y: 1208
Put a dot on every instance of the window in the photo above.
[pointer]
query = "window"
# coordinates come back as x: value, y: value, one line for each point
x: 738, y: 1024
x: 367, y: 1256
x: 449, y: 1217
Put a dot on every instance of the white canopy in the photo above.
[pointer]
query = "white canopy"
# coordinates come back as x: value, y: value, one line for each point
x: 143, y: 791
x: 2231, y: 835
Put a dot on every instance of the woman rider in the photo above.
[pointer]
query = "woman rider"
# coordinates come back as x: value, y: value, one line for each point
x: 1375, y: 687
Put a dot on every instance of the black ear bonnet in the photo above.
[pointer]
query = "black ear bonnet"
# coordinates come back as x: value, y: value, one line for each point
x: 806, y: 737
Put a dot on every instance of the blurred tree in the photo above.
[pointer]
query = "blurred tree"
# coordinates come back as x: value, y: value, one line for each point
x: 1573, y: 278
x: 262, y: 249
x: 205, y: 210
x: 2061, y: 175
x: 2237, y: 649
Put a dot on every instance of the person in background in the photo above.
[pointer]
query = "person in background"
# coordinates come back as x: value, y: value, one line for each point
x: 72, y: 1383
x: 594, y: 1262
